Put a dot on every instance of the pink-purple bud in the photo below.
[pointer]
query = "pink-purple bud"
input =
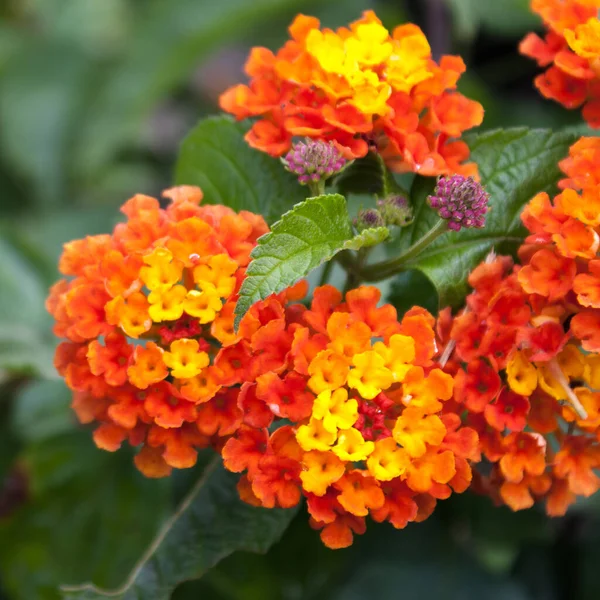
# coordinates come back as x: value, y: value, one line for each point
x: 461, y: 201
x: 368, y: 219
x: 314, y: 160
x: 395, y: 210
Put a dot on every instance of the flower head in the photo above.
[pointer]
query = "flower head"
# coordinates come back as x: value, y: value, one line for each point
x: 357, y: 88
x: 570, y: 52
x: 527, y: 348
x: 143, y: 312
x: 461, y: 201
x: 314, y: 160
x: 372, y: 433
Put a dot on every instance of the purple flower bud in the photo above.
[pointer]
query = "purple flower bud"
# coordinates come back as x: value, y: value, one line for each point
x: 314, y: 160
x: 368, y: 218
x: 395, y: 210
x: 462, y: 201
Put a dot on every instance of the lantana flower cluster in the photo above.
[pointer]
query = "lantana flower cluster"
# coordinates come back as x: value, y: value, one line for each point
x: 360, y: 88
x: 571, y: 52
x: 146, y: 314
x: 339, y: 402
x: 526, y: 349
x: 368, y: 433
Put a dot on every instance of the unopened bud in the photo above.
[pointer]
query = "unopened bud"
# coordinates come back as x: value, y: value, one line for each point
x: 368, y: 219
x: 395, y: 210
x: 314, y: 160
x: 461, y: 201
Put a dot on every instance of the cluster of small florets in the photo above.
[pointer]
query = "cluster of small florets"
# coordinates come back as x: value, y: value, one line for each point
x: 153, y: 358
x: 359, y: 87
x: 571, y: 51
x: 314, y: 161
x: 461, y: 201
x: 530, y: 339
x: 367, y: 429
x: 147, y: 313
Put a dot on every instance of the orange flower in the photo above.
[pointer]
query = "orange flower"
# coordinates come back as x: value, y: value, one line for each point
x: 571, y: 51
x: 148, y: 366
x: 359, y: 493
x: 587, y: 286
x: 548, y: 274
x: 477, y: 386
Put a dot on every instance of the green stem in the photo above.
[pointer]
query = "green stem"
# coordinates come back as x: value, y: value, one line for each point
x: 325, y: 273
x: 317, y: 188
x: 387, y: 268
x: 355, y: 275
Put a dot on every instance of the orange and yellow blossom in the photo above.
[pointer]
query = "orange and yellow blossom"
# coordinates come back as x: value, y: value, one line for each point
x: 360, y: 88
x: 571, y: 52
x: 366, y: 405
x: 138, y: 309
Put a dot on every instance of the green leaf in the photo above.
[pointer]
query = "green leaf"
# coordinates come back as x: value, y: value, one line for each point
x: 412, y: 288
x: 40, y: 97
x: 88, y: 513
x: 367, y: 175
x: 168, y: 41
x: 216, y: 157
x: 25, y: 344
x: 514, y: 165
x: 43, y: 411
x: 306, y: 236
x: 211, y: 523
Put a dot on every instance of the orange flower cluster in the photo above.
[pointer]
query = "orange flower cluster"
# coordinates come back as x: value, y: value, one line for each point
x: 368, y: 432
x: 152, y: 357
x: 359, y: 87
x: 147, y: 313
x: 571, y: 51
x: 530, y: 339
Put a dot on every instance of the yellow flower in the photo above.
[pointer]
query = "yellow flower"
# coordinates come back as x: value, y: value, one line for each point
x: 369, y: 375
x: 351, y: 446
x: 584, y: 40
x: 160, y: 271
x: 321, y: 470
x: 398, y: 355
x: 571, y: 362
x: 203, y: 305
x: 409, y: 63
x: 335, y: 410
x: 166, y: 304
x: 130, y: 314
x: 314, y: 436
x: 522, y: 376
x: 591, y: 372
x: 388, y: 461
x: 550, y: 384
x: 217, y: 272
x: 184, y: 358
x: 328, y: 49
x: 370, y: 95
x: 413, y: 431
x: 328, y: 371
x: 370, y: 46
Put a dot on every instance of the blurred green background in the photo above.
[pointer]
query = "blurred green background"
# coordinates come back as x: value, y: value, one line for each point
x: 95, y: 97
